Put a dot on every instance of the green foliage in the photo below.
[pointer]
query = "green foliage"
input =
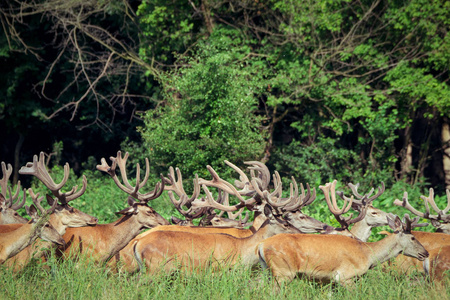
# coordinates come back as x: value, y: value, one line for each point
x: 425, y: 24
x: 417, y: 83
x: 15, y: 84
x: 209, y: 113
x: 322, y: 16
x: 319, y: 162
x: 167, y: 27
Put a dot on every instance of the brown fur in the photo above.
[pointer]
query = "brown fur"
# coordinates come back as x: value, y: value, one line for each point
x: 14, y: 241
x: 431, y: 241
x: 126, y: 255
x: 328, y: 257
x: 126, y: 258
x: 103, y: 241
x: 9, y: 227
x: 171, y: 250
x: 64, y: 216
x: 440, y: 262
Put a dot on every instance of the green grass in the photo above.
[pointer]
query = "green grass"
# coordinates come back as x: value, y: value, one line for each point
x: 86, y: 280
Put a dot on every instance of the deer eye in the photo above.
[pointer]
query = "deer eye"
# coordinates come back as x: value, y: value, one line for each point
x: 47, y: 225
x: 413, y: 239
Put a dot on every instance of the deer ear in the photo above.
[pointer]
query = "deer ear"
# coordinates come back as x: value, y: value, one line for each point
x: 398, y: 223
x: 436, y: 224
x: 267, y: 211
x: 32, y: 211
x: 395, y: 223
x: 27, y: 209
x: 356, y: 207
x: 132, y: 210
x: 2, y: 200
x: 175, y: 220
x: 131, y: 201
x: 50, y: 200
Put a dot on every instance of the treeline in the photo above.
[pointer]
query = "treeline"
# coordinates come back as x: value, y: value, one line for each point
x: 320, y: 90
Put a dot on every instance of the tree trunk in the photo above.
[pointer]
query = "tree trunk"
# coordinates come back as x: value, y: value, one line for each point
x: 445, y: 135
x: 423, y: 156
x: 17, y: 158
x: 408, y: 158
x: 206, y: 11
x: 406, y: 155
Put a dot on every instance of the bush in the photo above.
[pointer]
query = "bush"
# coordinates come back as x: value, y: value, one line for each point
x: 209, y: 111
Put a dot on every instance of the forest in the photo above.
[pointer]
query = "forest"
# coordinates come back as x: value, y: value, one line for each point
x: 318, y: 90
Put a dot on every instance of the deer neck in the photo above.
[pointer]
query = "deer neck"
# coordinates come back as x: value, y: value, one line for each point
x: 121, y: 232
x: 57, y: 223
x: 247, y: 245
x: 361, y: 230
x: 17, y: 240
x: 39, y: 248
x: 258, y: 221
x: 381, y: 251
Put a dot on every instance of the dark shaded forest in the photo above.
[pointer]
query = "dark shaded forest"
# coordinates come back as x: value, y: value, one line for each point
x: 320, y: 90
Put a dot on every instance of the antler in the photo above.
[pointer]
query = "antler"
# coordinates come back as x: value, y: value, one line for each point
x: 363, y: 199
x: 442, y: 214
x: 37, y: 168
x: 231, y: 215
x: 275, y: 196
x: 330, y: 188
x: 243, y: 183
x: 227, y: 187
x: 258, y: 172
x: 11, y: 201
x: 209, y: 202
x: 177, y: 187
x: 37, y: 202
x: 254, y: 187
x: 126, y: 186
x: 411, y: 224
x: 295, y: 201
x: 405, y: 204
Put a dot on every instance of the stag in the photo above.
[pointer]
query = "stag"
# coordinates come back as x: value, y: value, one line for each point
x: 432, y: 241
x: 336, y: 257
x: 252, y: 194
x: 10, y: 204
x: 64, y: 216
x: 16, y: 237
x: 103, y: 241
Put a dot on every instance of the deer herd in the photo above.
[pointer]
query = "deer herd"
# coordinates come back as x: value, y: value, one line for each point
x: 281, y: 237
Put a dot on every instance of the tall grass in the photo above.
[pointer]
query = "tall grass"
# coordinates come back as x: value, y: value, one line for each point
x: 86, y: 280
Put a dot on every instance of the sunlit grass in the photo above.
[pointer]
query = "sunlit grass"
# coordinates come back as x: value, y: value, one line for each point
x: 86, y: 280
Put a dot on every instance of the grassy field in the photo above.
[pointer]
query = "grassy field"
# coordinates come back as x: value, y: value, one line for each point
x: 86, y: 280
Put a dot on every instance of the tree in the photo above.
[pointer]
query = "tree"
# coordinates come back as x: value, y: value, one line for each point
x: 209, y: 109
x: 73, y: 75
